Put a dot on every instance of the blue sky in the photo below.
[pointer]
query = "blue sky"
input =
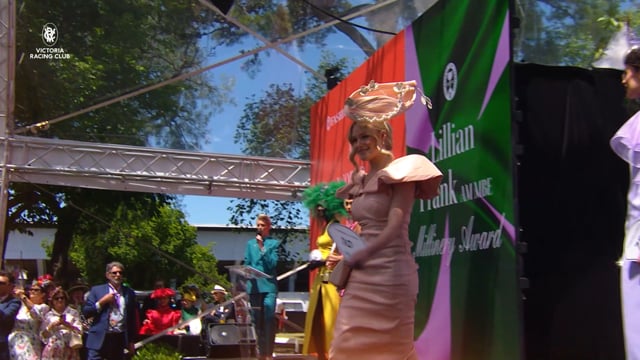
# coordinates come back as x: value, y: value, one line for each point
x: 277, y: 69
x: 202, y: 210
x: 206, y: 210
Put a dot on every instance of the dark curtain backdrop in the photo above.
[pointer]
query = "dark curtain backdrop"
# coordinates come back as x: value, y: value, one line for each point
x: 571, y: 192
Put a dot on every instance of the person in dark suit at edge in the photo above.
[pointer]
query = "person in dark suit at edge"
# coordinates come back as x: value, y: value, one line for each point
x: 9, y: 306
x: 114, y: 310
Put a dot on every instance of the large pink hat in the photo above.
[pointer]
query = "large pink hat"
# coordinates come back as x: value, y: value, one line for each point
x: 382, y: 101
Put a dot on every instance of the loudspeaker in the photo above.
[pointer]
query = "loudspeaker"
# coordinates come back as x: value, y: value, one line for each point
x: 333, y: 77
x: 230, y: 340
x: 224, y: 335
x: 230, y: 334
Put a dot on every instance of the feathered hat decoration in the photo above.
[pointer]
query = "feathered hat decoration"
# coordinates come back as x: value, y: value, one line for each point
x: 324, y: 195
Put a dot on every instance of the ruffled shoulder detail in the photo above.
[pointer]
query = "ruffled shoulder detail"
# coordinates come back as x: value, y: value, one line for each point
x: 626, y: 141
x: 353, y: 188
x: 411, y: 168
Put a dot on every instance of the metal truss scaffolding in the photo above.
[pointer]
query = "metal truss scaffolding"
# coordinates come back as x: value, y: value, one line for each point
x: 140, y: 169
x: 128, y: 168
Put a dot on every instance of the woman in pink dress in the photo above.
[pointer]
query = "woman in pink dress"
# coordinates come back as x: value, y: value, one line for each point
x: 376, y: 315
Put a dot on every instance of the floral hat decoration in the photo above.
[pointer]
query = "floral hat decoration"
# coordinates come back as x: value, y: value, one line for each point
x: 44, y: 283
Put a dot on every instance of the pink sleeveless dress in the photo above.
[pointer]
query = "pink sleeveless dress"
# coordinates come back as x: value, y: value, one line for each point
x: 376, y: 315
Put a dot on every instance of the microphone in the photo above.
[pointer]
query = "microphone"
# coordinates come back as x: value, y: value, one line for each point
x: 314, y: 264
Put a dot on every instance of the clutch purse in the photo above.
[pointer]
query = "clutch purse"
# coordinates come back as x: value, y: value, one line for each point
x: 76, y: 340
x: 340, y: 275
x: 348, y: 242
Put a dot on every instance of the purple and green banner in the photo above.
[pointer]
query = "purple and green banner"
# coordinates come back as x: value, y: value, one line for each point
x: 464, y: 240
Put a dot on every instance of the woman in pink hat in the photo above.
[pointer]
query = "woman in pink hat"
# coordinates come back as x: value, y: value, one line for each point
x: 376, y: 315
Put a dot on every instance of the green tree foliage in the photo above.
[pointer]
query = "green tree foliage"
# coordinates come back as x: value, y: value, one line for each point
x: 151, y: 241
x: 115, y: 48
x: 154, y: 351
x: 279, y: 20
x: 276, y: 123
x: 568, y: 32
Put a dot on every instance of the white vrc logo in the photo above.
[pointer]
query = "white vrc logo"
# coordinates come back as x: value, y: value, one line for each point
x: 450, y: 81
x: 49, y: 34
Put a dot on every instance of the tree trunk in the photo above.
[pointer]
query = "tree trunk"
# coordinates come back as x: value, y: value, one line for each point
x: 349, y: 30
x: 67, y: 221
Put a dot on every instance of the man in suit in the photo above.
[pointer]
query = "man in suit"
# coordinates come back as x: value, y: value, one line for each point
x: 261, y: 253
x: 9, y: 307
x: 115, y: 317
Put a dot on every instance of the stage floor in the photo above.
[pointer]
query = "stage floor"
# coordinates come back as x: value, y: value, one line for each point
x: 287, y: 346
x: 277, y: 356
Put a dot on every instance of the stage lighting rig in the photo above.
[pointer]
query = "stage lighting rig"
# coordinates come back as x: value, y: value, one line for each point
x: 223, y: 5
x: 333, y: 77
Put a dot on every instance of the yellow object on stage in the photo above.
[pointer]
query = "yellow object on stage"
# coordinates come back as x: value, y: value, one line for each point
x: 324, y: 300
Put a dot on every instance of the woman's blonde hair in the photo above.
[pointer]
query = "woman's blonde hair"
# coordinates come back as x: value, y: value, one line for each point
x: 384, y: 143
x: 264, y: 218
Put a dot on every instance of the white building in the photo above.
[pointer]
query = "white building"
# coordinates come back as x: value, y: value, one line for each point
x: 227, y: 243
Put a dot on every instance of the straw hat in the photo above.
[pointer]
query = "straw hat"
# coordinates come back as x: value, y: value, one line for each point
x: 218, y: 289
x: 78, y: 285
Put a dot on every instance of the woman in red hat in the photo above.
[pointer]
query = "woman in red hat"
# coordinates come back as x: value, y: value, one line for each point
x: 163, y: 316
